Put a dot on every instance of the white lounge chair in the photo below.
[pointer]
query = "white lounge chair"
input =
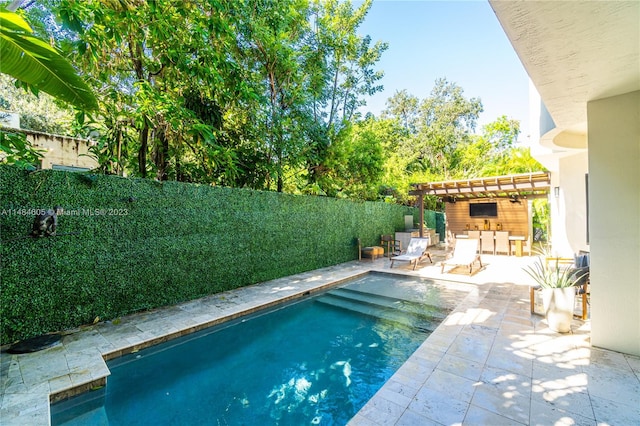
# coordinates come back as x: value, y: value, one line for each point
x: 465, y: 253
x: 416, y: 252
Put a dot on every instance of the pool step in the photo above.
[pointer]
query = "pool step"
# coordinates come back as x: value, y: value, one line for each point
x: 417, y: 308
x: 383, y: 307
x: 389, y: 314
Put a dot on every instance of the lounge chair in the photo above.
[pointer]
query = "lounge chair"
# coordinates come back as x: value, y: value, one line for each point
x: 465, y: 253
x: 475, y: 235
x: 416, y: 252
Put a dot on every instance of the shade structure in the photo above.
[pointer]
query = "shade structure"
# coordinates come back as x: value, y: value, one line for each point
x: 524, y: 185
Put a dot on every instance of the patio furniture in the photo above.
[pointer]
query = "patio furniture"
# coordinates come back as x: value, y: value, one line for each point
x: 582, y: 288
x: 405, y: 237
x: 392, y: 245
x: 416, y: 252
x: 473, y: 235
x: 487, y: 242
x: 465, y: 253
x: 372, y: 252
x: 502, y: 243
x: 520, y: 244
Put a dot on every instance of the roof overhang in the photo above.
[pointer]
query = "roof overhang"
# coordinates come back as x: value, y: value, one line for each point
x: 575, y: 52
x: 525, y: 185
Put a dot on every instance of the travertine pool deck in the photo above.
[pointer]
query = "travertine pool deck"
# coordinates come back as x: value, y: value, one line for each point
x: 489, y: 363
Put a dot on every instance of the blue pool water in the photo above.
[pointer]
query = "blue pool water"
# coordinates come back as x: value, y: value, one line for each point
x: 317, y: 361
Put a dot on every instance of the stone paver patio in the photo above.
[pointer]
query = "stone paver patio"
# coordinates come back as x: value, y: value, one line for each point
x: 489, y: 363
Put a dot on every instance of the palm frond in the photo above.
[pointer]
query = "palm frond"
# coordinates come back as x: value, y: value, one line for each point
x: 36, y: 63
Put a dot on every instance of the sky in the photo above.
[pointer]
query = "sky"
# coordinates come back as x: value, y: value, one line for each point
x: 461, y: 41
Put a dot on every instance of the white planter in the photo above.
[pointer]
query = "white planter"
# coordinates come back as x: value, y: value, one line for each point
x: 558, y: 307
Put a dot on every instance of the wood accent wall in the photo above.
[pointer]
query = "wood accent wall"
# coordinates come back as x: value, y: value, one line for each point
x: 513, y: 217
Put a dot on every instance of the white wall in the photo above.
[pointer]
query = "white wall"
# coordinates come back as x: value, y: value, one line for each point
x: 10, y: 119
x: 62, y: 150
x: 569, y: 210
x: 568, y: 168
x: 614, y: 221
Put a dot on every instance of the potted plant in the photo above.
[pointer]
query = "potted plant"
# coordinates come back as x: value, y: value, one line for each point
x: 558, y: 291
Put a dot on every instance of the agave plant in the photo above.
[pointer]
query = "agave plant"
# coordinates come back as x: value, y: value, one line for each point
x: 553, y: 276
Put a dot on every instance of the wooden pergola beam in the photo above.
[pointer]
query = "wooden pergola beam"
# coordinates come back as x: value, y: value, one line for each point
x: 533, y: 185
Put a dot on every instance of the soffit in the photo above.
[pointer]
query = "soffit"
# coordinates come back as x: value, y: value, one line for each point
x: 575, y: 51
x: 525, y: 185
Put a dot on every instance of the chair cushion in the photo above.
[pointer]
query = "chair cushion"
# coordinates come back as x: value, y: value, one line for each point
x: 581, y: 260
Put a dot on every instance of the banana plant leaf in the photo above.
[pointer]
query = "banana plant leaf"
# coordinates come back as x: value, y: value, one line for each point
x: 39, y: 65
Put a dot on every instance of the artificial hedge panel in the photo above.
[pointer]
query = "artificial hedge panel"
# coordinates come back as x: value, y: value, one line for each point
x: 126, y: 245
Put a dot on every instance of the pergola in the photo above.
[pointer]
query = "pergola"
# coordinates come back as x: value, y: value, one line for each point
x: 518, y: 186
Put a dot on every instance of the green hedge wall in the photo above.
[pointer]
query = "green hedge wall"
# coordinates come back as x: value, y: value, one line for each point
x: 440, y: 225
x: 126, y: 245
x: 435, y: 220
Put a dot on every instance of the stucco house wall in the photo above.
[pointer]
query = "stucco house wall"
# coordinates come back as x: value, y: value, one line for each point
x: 61, y: 152
x: 614, y: 210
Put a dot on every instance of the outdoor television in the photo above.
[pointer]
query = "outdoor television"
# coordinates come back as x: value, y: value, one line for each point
x: 483, y: 209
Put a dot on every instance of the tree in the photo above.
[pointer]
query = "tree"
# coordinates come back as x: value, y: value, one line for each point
x: 502, y: 133
x: 405, y: 108
x: 493, y: 153
x: 238, y: 93
x: 435, y: 126
x: 37, y: 66
x: 355, y: 162
x: 446, y: 120
x: 158, y: 78
x: 341, y: 65
x: 437, y: 141
x: 347, y: 60
x: 40, y: 113
x: 241, y: 93
x: 272, y: 34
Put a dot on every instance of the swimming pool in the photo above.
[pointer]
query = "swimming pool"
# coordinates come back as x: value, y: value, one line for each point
x: 315, y: 361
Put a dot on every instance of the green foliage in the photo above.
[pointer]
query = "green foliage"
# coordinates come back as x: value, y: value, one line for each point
x: 541, y: 217
x: 40, y: 113
x: 38, y: 65
x: 511, y: 161
x: 354, y: 163
x: 437, y: 126
x: 502, y: 133
x: 126, y: 245
x: 430, y: 219
x: 265, y: 95
x: 404, y: 107
x: 435, y: 142
x: 242, y: 93
x: 551, y: 275
x: 15, y: 149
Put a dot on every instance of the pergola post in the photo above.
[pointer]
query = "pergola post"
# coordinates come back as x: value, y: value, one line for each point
x: 421, y: 204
